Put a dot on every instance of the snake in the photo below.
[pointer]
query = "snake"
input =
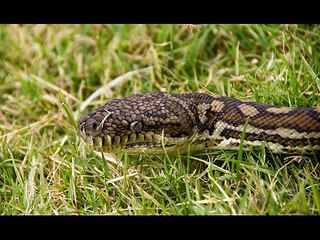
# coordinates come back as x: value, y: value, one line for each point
x: 153, y: 122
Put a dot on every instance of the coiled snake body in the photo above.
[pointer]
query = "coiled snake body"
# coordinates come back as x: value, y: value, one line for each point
x: 156, y: 121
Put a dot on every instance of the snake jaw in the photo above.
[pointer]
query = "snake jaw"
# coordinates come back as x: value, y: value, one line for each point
x: 95, y: 135
x: 153, y: 145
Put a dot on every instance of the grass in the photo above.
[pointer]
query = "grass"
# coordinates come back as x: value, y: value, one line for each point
x: 48, y: 71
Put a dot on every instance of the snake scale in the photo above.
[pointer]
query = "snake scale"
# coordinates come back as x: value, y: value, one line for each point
x: 151, y: 122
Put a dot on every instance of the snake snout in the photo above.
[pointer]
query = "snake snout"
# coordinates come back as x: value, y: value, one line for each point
x: 89, y: 126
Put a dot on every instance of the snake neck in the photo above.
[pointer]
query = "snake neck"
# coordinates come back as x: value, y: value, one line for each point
x: 206, y: 110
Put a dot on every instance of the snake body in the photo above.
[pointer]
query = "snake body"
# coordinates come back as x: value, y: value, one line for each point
x: 155, y: 121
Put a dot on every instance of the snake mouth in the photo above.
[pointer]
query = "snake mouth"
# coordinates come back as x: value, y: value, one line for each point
x: 131, y: 143
x: 145, y: 143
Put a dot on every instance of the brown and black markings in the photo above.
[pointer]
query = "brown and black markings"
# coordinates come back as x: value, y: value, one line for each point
x: 143, y: 119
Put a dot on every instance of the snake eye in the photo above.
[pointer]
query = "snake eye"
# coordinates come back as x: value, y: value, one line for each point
x: 94, y: 125
x: 136, y: 126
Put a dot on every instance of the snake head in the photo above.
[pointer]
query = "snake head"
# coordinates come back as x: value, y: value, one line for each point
x: 142, y: 121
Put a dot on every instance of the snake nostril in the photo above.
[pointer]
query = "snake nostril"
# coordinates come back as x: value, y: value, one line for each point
x: 81, y: 125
